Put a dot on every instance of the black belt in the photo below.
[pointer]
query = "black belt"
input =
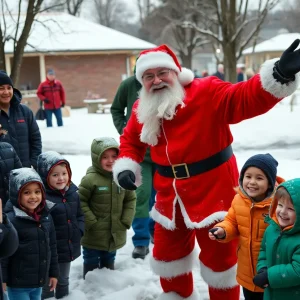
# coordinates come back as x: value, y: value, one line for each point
x: 181, y: 171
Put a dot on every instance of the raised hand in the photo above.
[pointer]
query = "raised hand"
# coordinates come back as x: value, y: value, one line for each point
x: 126, y: 180
x: 289, y: 63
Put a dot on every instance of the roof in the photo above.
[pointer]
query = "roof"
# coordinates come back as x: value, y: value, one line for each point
x: 278, y: 43
x: 61, y: 32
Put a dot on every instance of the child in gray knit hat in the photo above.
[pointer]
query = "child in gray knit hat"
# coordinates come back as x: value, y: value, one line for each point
x: 245, y: 218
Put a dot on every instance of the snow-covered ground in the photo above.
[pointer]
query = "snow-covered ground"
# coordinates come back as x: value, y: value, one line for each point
x: 276, y: 132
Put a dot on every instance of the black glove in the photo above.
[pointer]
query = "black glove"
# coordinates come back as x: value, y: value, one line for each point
x: 289, y: 63
x: 261, y: 278
x: 46, y: 101
x: 62, y: 105
x: 126, y: 180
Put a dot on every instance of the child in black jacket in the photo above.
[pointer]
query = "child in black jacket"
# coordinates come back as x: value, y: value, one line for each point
x: 67, y: 216
x: 9, y: 160
x: 25, y: 272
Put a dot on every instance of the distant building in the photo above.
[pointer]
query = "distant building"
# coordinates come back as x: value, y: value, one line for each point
x: 268, y: 49
x: 88, y: 58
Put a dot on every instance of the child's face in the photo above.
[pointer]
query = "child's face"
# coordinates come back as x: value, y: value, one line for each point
x: 285, y: 213
x: 108, y: 158
x: 59, y: 177
x: 255, y: 183
x: 31, y: 196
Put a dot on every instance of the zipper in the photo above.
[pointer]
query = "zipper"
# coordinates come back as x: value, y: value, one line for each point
x: 250, y: 239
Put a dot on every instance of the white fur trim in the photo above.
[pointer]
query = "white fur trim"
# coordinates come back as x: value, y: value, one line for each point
x: 126, y: 163
x: 274, y: 87
x: 219, y: 280
x: 151, y: 60
x: 186, y: 76
x: 175, y: 296
x: 174, y: 268
x: 170, y: 224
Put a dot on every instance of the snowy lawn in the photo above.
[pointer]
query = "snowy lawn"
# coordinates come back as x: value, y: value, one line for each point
x: 275, y: 132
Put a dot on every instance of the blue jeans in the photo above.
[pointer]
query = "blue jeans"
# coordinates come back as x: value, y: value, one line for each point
x: 58, y: 115
x: 24, y: 293
x: 97, y: 257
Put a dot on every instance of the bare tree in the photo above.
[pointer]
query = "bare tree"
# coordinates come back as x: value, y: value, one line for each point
x: 72, y: 7
x: 164, y: 25
x: 20, y: 32
x: 228, y: 21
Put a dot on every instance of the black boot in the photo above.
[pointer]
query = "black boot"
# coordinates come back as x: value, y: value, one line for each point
x: 87, y: 268
x: 61, y: 291
x: 140, y: 252
x: 108, y: 265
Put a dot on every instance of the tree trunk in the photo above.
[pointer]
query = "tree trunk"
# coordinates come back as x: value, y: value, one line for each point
x: 2, y: 53
x: 186, y: 59
x: 19, y: 50
x: 230, y: 63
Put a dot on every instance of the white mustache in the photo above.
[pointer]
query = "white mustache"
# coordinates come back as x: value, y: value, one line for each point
x: 159, y: 86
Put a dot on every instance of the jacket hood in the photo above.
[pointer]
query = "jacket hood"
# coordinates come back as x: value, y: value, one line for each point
x: 18, y: 178
x: 46, y: 161
x: 17, y: 97
x: 99, y: 145
x: 293, y: 188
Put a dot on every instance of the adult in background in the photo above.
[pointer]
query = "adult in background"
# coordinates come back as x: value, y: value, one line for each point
x: 142, y: 225
x: 186, y: 121
x: 52, y: 93
x: 220, y: 72
x: 18, y: 125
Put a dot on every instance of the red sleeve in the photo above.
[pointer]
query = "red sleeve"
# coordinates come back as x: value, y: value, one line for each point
x: 40, y: 92
x: 62, y: 94
x: 234, y: 103
x: 130, y: 144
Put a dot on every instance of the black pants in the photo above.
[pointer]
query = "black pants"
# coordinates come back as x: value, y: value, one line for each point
x: 249, y: 295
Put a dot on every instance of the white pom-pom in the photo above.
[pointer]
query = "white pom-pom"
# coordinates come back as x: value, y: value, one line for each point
x: 186, y: 76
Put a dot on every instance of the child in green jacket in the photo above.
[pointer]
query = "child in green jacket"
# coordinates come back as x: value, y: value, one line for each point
x: 278, y: 264
x: 108, y: 209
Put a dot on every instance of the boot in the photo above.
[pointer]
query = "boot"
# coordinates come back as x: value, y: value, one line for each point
x: 46, y: 293
x: 61, y: 291
x: 87, y: 268
x: 108, y: 265
x: 140, y: 252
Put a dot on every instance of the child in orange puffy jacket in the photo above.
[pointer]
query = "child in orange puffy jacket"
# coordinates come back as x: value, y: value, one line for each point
x: 245, y: 218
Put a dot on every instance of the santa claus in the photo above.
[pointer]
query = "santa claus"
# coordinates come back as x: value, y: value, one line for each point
x: 186, y: 121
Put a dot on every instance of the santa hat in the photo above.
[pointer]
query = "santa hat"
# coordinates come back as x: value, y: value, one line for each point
x: 162, y: 57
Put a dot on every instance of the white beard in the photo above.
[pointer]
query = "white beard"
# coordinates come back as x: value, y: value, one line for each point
x: 157, y: 105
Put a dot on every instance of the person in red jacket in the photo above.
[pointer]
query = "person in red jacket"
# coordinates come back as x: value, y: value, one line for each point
x: 52, y: 93
x: 185, y: 121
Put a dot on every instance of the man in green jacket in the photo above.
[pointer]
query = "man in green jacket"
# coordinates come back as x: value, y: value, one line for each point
x: 142, y: 225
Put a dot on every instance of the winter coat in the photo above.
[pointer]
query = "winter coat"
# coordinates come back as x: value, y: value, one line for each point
x: 219, y: 75
x: 126, y: 96
x: 199, y: 130
x: 36, y: 256
x: 9, y: 160
x: 280, y: 251
x: 54, y: 92
x: 245, y: 220
x: 67, y: 215
x: 22, y: 131
x: 108, y: 209
x: 9, y: 243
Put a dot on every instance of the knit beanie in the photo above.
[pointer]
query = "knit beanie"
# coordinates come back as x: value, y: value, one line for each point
x: 265, y: 162
x: 5, y: 79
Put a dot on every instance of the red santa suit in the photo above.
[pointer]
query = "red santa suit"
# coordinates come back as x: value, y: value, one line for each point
x: 186, y: 208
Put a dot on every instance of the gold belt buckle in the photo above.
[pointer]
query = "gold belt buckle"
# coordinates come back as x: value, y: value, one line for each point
x: 186, y: 171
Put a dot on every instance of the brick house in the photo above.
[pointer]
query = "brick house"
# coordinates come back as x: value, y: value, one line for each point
x: 88, y: 58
